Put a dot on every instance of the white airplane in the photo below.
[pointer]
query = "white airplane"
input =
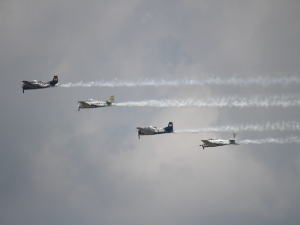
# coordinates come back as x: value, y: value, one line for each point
x: 95, y: 104
x: 212, y: 142
x: 154, y: 130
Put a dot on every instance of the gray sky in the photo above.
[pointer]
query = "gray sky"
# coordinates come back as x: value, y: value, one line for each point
x: 61, y: 166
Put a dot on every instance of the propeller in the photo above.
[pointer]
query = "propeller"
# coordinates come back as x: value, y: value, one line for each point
x: 22, y: 87
x: 138, y: 133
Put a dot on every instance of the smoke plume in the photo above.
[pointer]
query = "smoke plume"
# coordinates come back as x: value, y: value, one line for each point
x: 290, y: 139
x: 212, y: 80
x: 252, y: 127
x: 229, y: 101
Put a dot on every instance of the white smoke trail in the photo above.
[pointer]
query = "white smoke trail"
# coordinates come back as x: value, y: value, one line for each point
x: 213, y: 80
x: 230, y: 101
x: 290, y: 139
x: 277, y: 126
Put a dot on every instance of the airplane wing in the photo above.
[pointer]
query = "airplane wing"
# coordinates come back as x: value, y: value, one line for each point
x: 208, y: 143
x: 85, y: 104
x: 144, y: 130
x: 29, y: 84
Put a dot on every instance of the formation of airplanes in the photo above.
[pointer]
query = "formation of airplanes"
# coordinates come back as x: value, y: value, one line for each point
x: 89, y: 104
x: 150, y: 130
x: 34, y: 84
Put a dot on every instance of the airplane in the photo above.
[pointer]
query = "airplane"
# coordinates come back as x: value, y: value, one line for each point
x: 34, y: 84
x: 212, y: 142
x: 154, y: 130
x: 90, y: 103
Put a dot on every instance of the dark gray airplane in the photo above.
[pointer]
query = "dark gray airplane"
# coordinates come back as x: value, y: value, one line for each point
x: 34, y: 84
x: 154, y: 130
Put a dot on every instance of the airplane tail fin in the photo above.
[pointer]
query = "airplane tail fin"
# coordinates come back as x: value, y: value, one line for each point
x: 232, y: 141
x: 169, y: 127
x: 54, y: 81
x: 112, y: 99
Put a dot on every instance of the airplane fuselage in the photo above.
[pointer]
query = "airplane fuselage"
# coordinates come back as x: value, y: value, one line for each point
x: 217, y: 142
x: 92, y: 104
x: 154, y: 130
x: 34, y: 84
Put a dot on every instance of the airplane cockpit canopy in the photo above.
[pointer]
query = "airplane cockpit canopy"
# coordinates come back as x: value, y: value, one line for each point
x: 150, y: 128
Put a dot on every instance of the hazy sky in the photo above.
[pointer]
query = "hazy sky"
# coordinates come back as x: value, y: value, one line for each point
x: 61, y: 166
